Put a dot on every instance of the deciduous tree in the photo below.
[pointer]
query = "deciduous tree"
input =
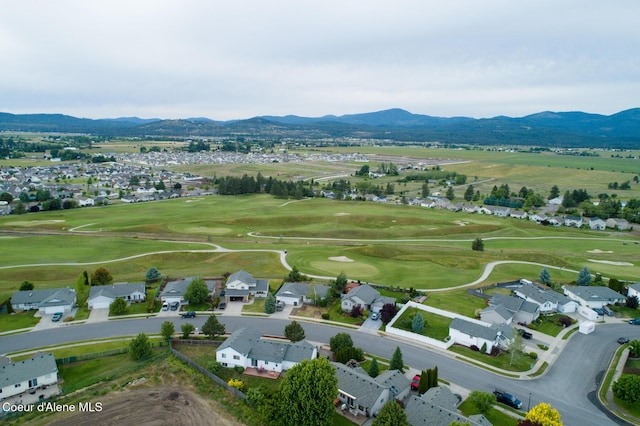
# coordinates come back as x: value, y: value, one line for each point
x: 118, y: 306
x: 26, y: 285
x: 101, y: 276
x: 339, y: 341
x: 544, y: 415
x: 632, y: 302
x: 167, y: 330
x: 482, y: 400
x: 477, y: 244
x: 187, y: 329
x: 387, y: 312
x: 391, y: 414
x: 307, y: 393
x: 294, y: 331
x: 197, y: 291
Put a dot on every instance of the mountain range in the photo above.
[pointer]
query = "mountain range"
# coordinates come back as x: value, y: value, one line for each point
x: 550, y: 129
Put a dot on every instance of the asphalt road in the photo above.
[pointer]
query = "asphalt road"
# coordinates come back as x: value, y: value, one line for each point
x: 567, y: 385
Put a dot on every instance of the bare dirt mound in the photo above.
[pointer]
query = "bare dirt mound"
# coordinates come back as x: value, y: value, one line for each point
x: 150, y: 406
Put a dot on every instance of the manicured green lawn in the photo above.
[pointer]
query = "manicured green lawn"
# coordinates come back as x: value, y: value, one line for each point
x: 17, y: 321
x: 458, y: 301
x: 436, y: 326
x: 336, y: 314
x: 502, y: 361
x: 256, y: 307
x: 550, y: 324
x: 496, y: 417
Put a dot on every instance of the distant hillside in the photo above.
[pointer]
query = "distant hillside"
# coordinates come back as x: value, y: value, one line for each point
x: 553, y: 129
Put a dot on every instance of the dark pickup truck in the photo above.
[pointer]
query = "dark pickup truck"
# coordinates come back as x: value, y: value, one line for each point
x: 525, y: 334
x: 507, y: 399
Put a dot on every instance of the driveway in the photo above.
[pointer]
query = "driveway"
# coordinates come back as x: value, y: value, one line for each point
x: 232, y: 308
x: 284, y: 313
x: 98, y: 315
x: 371, y: 326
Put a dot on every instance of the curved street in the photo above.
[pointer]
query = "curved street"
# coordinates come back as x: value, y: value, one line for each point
x: 567, y: 384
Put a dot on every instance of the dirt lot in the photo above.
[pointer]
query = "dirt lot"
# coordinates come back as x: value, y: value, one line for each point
x: 150, y: 406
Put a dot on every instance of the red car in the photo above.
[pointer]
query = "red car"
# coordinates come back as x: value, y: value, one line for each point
x: 415, y: 382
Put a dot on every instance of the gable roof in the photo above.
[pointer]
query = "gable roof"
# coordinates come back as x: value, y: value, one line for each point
x: 487, y: 332
x: 437, y: 407
x: 250, y: 343
x: 394, y: 380
x: 301, y: 290
x: 364, y: 292
x: 512, y: 303
x: 500, y: 310
x: 116, y: 290
x: 360, y: 386
x: 44, y: 297
x: 179, y: 288
x: 34, y: 367
x: 540, y: 295
x: 594, y: 293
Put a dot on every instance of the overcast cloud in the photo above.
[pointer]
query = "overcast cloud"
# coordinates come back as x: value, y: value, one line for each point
x: 231, y: 60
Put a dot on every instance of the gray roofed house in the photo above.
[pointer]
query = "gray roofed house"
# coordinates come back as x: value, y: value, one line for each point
x: 247, y: 348
x: 547, y: 300
x: 520, y: 310
x: 468, y: 332
x: 496, y: 315
x: 398, y: 384
x: 593, y: 296
x: 102, y: 296
x: 241, y: 284
x: 361, y: 394
x: 299, y: 293
x: 634, y: 290
x: 174, y: 291
x: 365, y: 297
x: 21, y: 376
x: 47, y: 301
x: 437, y: 407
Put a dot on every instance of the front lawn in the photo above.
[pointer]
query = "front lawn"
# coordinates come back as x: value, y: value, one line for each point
x: 458, y: 301
x: 435, y: 326
x: 496, y: 417
x: 549, y: 324
x: 336, y: 314
x: 257, y: 307
x: 16, y: 321
x: 520, y: 362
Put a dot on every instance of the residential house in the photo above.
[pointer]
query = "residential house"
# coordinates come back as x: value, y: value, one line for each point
x: 5, y: 208
x: 556, y: 221
x: 547, y: 300
x: 298, y: 293
x: 241, y: 284
x: 24, y: 376
x: 85, y: 202
x: 246, y: 348
x: 101, y: 296
x: 500, y: 211
x: 469, y: 332
x: 484, y: 210
x: 174, y: 291
x: 438, y: 407
x: 617, y: 223
x: 517, y: 310
x: 593, y: 296
x: 470, y: 208
x: 518, y: 214
x: 365, y: 297
x: 557, y: 201
x: 365, y: 395
x: 597, y: 224
x: 573, y: 221
x: 46, y: 301
x: 634, y: 290
x: 538, y: 217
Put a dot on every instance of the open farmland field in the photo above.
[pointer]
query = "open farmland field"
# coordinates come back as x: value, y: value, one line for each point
x: 386, y: 244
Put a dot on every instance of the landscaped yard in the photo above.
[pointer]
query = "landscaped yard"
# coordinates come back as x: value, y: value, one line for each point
x: 503, y: 361
x: 458, y: 301
x: 550, y: 324
x: 496, y: 417
x: 256, y: 307
x: 435, y: 326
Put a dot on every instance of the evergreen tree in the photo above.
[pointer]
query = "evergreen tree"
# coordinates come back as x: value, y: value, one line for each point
x: 584, y: 277
x: 294, y: 332
x: 152, y: 274
x: 468, y: 194
x: 396, y: 360
x: 270, y: 304
x: 450, y: 194
x: 555, y: 192
x: 417, y: 324
x: 545, y: 276
x: 477, y: 244
x: 212, y: 327
x: 374, y: 370
x: 140, y: 347
x: 26, y: 285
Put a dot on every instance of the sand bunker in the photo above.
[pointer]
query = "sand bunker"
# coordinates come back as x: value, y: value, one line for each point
x: 341, y: 259
x: 341, y: 214
x: 599, y: 251
x: 608, y: 262
x: 461, y: 223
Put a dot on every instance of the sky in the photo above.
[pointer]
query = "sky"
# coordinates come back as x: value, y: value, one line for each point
x: 244, y: 58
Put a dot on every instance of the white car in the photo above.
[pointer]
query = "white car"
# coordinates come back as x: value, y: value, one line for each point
x: 375, y: 316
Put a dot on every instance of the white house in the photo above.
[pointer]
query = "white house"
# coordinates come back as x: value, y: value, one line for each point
x: 365, y: 297
x: 102, y: 296
x: 593, y: 296
x: 298, y: 293
x: 573, y: 221
x: 617, y: 223
x: 547, y: 300
x: 556, y: 221
x: 597, y: 224
x: 518, y: 214
x: 365, y: 395
x: 469, y: 332
x: 85, y: 202
x: 246, y: 348
x: 46, y: 301
x: 241, y: 284
x: 634, y: 290
x: 538, y: 217
x: 23, y: 376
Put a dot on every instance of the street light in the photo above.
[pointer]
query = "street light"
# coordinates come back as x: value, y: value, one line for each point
x: 529, y: 406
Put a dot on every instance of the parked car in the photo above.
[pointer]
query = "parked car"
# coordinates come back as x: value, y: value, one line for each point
x: 190, y: 314
x: 279, y: 305
x: 623, y: 340
x: 375, y: 316
x: 635, y: 321
x: 507, y: 399
x: 415, y: 382
x: 175, y: 306
x: 525, y: 334
x: 222, y: 305
x: 56, y: 317
x: 165, y: 306
x: 607, y: 311
x: 598, y: 311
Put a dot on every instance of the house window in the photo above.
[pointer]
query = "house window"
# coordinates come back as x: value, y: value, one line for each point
x: 236, y: 357
x: 17, y: 385
x: 33, y: 383
x: 224, y: 364
x: 266, y: 363
x: 223, y: 355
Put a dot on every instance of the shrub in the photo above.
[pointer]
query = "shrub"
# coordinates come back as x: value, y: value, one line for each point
x: 325, y: 316
x: 475, y: 348
x: 533, y: 355
x: 236, y: 383
x: 533, y: 326
x: 565, y: 321
x: 356, y: 312
x: 238, y: 369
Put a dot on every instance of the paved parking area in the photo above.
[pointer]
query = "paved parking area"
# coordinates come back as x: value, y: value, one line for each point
x: 98, y: 315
